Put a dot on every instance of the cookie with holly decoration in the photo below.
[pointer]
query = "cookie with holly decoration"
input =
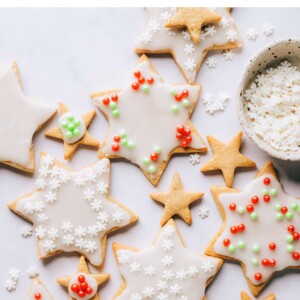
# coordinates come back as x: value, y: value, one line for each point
x: 245, y: 296
x: 149, y: 120
x: 84, y: 284
x: 261, y: 228
x: 37, y: 291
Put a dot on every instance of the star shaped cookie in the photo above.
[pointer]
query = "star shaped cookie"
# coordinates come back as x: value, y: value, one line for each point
x: 38, y: 291
x: 178, y: 42
x: 166, y: 270
x: 245, y: 296
x: 83, y: 285
x: 72, y: 130
x: 176, y: 201
x: 72, y: 211
x: 149, y: 120
x: 227, y: 157
x: 20, y: 117
x: 261, y: 228
x: 193, y: 18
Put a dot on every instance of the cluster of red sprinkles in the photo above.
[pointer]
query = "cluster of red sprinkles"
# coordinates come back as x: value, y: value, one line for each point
x: 114, y: 98
x: 296, y: 236
x: 37, y: 296
x: 180, y: 96
x: 81, y: 288
x: 184, y: 135
x: 116, y: 146
x: 140, y: 80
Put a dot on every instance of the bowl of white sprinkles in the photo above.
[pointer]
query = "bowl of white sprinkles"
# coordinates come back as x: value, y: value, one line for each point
x: 269, y: 99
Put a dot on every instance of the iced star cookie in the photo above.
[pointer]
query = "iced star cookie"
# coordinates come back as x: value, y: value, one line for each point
x: 245, y: 296
x: 20, y: 118
x: 72, y: 211
x: 72, y: 130
x: 176, y: 201
x: 149, y: 120
x: 261, y: 228
x: 166, y: 270
x: 188, y: 55
x: 37, y: 291
x: 83, y: 285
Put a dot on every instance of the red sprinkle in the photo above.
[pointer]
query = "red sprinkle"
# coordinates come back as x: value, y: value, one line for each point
x: 296, y: 236
x: 150, y: 80
x: 254, y: 199
x: 178, y: 97
x: 81, y: 294
x: 272, y: 246
x: 272, y: 262
x: 184, y: 144
x: 154, y: 156
x: 89, y: 290
x: 117, y: 138
x: 226, y: 242
x: 188, y: 139
x: 105, y: 101
x: 81, y: 278
x: 296, y: 255
x: 267, y: 181
x: 137, y: 74
x: 250, y: 208
x: 75, y: 288
x: 267, y: 198
x: 179, y: 135
x: 115, y: 147
x: 291, y: 228
x: 141, y: 80
x: 233, y: 230
x: 258, y: 276
x: 180, y: 128
x: 37, y: 296
x: 187, y: 131
x: 284, y: 209
x: 185, y: 93
x: 114, y: 98
x: 232, y: 206
x: 135, y: 86
x: 265, y: 262
x: 241, y: 227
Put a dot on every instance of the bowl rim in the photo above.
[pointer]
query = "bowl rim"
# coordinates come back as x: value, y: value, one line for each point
x: 258, y: 141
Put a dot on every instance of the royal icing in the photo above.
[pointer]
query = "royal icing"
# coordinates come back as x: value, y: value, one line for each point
x: 261, y: 231
x: 71, y: 211
x: 187, y: 54
x: 72, y: 127
x: 37, y: 291
x: 82, y: 287
x: 20, y: 117
x: 152, y: 119
x: 166, y: 270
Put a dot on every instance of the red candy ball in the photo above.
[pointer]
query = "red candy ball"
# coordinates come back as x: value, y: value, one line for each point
x: 83, y: 286
x: 241, y: 227
x: 179, y: 135
x: 141, y: 80
x: 137, y: 74
x: 117, y: 138
x: 254, y: 199
x: 184, y: 144
x: 81, y: 294
x: 115, y: 147
x: 187, y: 131
x: 135, y: 86
x: 291, y: 228
x: 178, y: 97
x: 250, y: 208
x: 115, y: 98
x: 185, y: 93
x: 75, y: 288
x: 272, y: 246
x: 296, y: 255
x: 105, y: 101
x: 89, y: 290
x: 188, y: 139
x: 150, y: 80
x: 232, y: 206
x: 37, y: 296
x: 267, y: 181
x: 154, y: 156
x: 226, y: 242
x: 296, y: 236
x: 265, y: 262
x: 272, y: 262
x: 180, y: 128
x: 284, y: 209
x: 233, y: 230
x: 257, y: 276
x: 267, y: 198
x: 81, y: 278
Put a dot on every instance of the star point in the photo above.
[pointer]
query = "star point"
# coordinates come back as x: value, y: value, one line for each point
x: 37, y: 290
x: 245, y: 296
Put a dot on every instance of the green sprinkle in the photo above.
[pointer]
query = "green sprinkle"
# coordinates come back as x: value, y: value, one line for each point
x: 76, y: 132
x: 295, y: 206
x: 124, y: 142
x: 157, y: 149
x: 274, y: 192
x: 278, y: 207
x: 151, y: 169
x: 113, y: 105
x: 253, y: 215
x: 290, y: 248
x: 122, y: 133
x: 146, y: 161
x: 241, y: 210
x: 64, y: 124
x: 70, y: 117
x: 71, y: 126
x: 289, y: 215
x: 145, y: 88
x: 175, y: 108
x: 289, y: 238
x: 185, y: 103
x: 69, y: 134
x: 241, y: 245
x: 279, y: 216
x: 255, y: 248
x: 264, y: 191
x: 172, y: 92
x: 77, y: 122
x: 254, y: 262
x: 299, y: 209
x: 115, y: 113
x: 231, y: 248
x: 130, y: 145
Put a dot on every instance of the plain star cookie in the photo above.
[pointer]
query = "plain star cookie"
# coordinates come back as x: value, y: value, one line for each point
x: 166, y: 270
x: 261, y: 228
x: 176, y: 201
x: 20, y: 117
x: 149, y: 120
x: 72, y: 130
x: 227, y: 157
x: 83, y: 285
x: 72, y: 211
x: 188, y: 55
x: 37, y: 291
x: 193, y: 18
x: 245, y: 296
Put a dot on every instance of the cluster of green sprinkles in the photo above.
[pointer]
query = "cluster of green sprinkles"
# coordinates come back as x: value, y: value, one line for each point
x: 123, y: 140
x: 71, y: 124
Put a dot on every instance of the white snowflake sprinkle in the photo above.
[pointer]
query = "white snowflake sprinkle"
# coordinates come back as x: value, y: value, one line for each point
x: 192, y: 271
x: 150, y: 270
x: 167, y: 245
x: 50, y: 197
x: 67, y: 227
x: 148, y: 292
x: 123, y: 258
x: 54, y: 184
x: 135, y: 268
x: 154, y: 26
x: 181, y: 275
x: 90, y: 247
x: 68, y: 240
x: 14, y: 274
x: 168, y: 231
x: 10, y: 284
x: 267, y: 29
x: 42, y: 218
x: 47, y: 160
x: 43, y: 171
x: 228, y: 55
x: 40, y: 232
x: 91, y: 177
x: 207, y: 266
x: 251, y: 34
x: 211, y: 62
x: 190, y: 64
x: 118, y: 217
x: 186, y: 35
x: 224, y: 22
x: 189, y: 49
x: 194, y: 159
x: 32, y: 272
x: 146, y: 38
x: 161, y: 285
x: 29, y: 208
x: 175, y: 289
x: 53, y: 234
x: 167, y: 261
x: 92, y: 231
x: 80, y: 232
x: 39, y: 206
x: 96, y: 204
x: 80, y: 243
x: 49, y: 246
x: 26, y: 231
x: 165, y: 16
x: 168, y: 275
x: 103, y: 216
x: 79, y: 181
x: 231, y: 36
x: 210, y: 30
x: 89, y: 195
x: 102, y: 187
x: 135, y: 296
x: 40, y: 183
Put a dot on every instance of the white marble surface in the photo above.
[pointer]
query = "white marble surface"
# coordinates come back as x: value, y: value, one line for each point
x: 64, y: 55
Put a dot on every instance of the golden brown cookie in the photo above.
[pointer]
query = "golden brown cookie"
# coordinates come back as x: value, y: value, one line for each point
x: 226, y: 158
x: 245, y: 296
x: 193, y: 18
x: 176, y: 201
x: 260, y: 230
x: 72, y: 131
x: 83, y: 284
x: 38, y: 291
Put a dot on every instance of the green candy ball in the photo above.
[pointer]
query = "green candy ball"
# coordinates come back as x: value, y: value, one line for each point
x: 295, y: 206
x: 172, y: 92
x: 76, y: 132
x: 289, y: 238
x: 175, y: 108
x: 185, y: 103
x: 241, y: 245
x: 64, y: 124
x: 113, y: 105
x: 278, y: 207
x: 70, y: 117
x: 130, y: 145
x: 145, y: 89
x: 71, y: 126
x: 115, y: 113
x: 274, y: 192
x: 253, y: 216
x: 279, y: 216
x: 264, y: 191
x: 157, y: 150
x: 231, y: 248
x: 255, y: 248
x: 77, y: 122
x: 241, y: 210
x: 290, y: 248
x: 124, y: 142
x: 146, y: 161
x: 122, y: 133
x: 151, y: 169
x: 69, y: 134
x: 254, y: 262
x: 289, y: 215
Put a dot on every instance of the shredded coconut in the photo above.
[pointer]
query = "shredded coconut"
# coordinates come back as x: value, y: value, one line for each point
x: 273, y: 103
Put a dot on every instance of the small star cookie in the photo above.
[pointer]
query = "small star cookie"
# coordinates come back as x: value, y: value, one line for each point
x: 20, y: 117
x: 193, y: 18
x: 72, y: 211
x: 83, y: 285
x: 221, y: 35
x: 37, y: 291
x: 261, y: 228
x: 166, y: 270
x: 176, y: 201
x: 149, y: 120
x: 245, y: 296
x: 72, y: 130
x: 226, y: 157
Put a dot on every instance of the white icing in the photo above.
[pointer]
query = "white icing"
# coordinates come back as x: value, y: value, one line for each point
x: 89, y: 280
x: 148, y: 119
x: 78, y: 123
x: 189, y: 61
x: 158, y: 273
x: 265, y: 230
x: 20, y: 117
x: 38, y: 287
x: 70, y: 222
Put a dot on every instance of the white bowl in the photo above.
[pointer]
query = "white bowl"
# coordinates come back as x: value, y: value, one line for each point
x: 270, y: 55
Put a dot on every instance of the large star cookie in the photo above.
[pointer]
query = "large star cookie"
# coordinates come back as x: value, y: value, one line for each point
x: 72, y: 130
x: 261, y: 228
x: 188, y: 55
x: 245, y: 296
x: 83, y: 285
x: 37, y: 291
x: 72, y: 211
x: 166, y: 270
x: 20, y: 118
x: 149, y: 120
